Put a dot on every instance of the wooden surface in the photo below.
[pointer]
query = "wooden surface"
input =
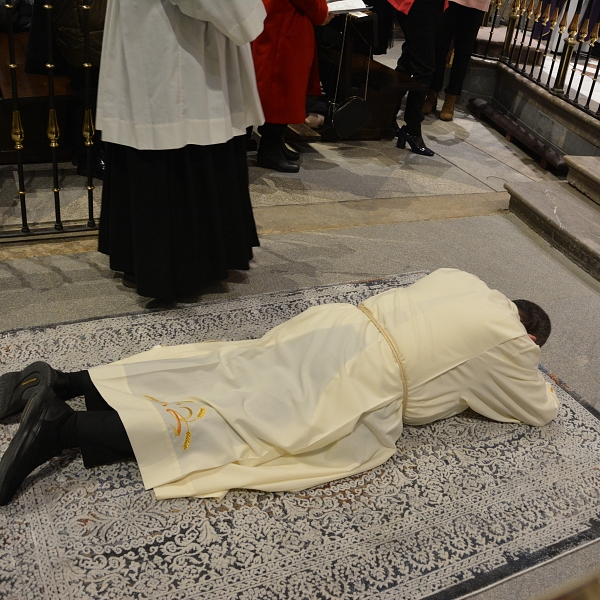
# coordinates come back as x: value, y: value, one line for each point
x: 28, y: 86
x: 385, y: 87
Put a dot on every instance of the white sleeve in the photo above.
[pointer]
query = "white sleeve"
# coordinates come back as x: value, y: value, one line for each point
x: 511, y: 389
x: 240, y: 20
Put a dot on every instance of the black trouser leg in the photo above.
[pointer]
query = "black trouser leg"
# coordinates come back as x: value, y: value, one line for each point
x: 98, y: 432
x: 467, y: 23
x: 418, y: 55
x: 99, y: 435
x: 443, y: 40
x: 93, y: 399
x: 80, y: 384
x: 271, y: 138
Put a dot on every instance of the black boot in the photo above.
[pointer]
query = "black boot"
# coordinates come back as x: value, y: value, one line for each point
x: 270, y: 151
x: 17, y: 388
x: 397, y: 112
x: 289, y: 153
x: 98, y: 165
x: 416, y: 143
x: 36, y: 440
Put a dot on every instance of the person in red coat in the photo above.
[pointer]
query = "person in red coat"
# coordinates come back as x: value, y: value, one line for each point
x: 285, y: 61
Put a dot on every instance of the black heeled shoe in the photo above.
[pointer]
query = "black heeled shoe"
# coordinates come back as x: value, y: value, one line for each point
x: 416, y: 143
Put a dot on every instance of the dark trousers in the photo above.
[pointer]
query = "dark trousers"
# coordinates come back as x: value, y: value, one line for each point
x: 460, y: 23
x: 271, y: 138
x: 98, y: 432
x: 418, y: 55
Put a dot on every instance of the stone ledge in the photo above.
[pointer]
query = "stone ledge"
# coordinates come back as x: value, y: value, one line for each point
x: 566, y: 218
x: 376, y: 211
x: 584, y: 174
x: 574, y: 119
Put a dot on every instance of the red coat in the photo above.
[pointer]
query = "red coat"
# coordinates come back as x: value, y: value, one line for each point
x: 285, y: 58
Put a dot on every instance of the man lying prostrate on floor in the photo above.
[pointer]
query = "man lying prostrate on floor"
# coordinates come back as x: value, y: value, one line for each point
x: 320, y: 397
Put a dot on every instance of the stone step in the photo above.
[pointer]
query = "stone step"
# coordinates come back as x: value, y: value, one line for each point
x: 584, y: 174
x: 562, y: 215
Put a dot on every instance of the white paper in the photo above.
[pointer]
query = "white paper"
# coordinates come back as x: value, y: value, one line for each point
x: 340, y: 6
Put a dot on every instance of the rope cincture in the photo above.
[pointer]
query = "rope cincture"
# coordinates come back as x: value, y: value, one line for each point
x: 395, y: 352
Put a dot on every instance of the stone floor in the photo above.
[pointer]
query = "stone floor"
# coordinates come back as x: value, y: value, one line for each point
x: 356, y: 210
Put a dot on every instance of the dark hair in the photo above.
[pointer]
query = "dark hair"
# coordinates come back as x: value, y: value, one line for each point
x: 535, y: 319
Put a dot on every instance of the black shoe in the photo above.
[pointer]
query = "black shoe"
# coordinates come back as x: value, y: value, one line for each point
x: 35, y: 442
x: 17, y: 388
x: 290, y: 154
x: 98, y: 166
x: 416, y: 143
x: 276, y: 162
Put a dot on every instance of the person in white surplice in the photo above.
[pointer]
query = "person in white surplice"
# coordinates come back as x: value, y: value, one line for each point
x: 319, y: 397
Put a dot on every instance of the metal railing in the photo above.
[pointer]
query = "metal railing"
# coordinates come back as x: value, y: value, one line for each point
x: 18, y: 135
x: 551, y: 43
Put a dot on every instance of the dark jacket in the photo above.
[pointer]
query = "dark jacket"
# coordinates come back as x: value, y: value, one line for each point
x: 68, y: 29
x: 67, y: 18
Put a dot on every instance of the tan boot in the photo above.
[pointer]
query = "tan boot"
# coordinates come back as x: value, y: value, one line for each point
x: 447, y: 111
x: 430, y: 102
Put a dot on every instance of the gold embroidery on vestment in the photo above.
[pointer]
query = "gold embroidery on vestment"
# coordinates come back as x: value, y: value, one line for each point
x: 181, y: 419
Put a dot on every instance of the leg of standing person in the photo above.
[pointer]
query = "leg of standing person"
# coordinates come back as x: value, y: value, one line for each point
x: 418, y: 61
x: 443, y: 40
x: 467, y: 23
x: 271, y: 149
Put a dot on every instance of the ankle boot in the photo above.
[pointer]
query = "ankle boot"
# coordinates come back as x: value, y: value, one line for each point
x: 289, y: 153
x: 447, y: 111
x: 430, y: 102
x: 270, y: 150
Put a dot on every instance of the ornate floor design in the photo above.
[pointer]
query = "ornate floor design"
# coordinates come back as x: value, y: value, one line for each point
x: 464, y: 502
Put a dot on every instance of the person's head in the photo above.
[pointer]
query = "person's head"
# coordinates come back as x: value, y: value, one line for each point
x: 535, y: 320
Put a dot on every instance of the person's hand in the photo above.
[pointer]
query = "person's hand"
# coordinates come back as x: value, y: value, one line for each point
x: 328, y: 18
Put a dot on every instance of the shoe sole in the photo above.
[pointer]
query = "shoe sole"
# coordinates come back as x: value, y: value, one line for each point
x: 16, y: 388
x: 10, y: 479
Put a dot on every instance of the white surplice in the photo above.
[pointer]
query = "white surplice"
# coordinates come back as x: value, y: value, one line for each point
x: 178, y: 72
x: 320, y: 397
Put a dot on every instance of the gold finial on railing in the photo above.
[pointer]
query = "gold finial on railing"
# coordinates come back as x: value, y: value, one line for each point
x: 17, y: 134
x: 583, y: 32
x: 554, y: 18
x: 53, y: 132
x: 546, y: 15
x: 518, y: 7
x: 537, y: 13
x: 595, y: 34
x: 530, y: 9
x: 563, y: 22
x: 88, y: 128
x: 574, y: 26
